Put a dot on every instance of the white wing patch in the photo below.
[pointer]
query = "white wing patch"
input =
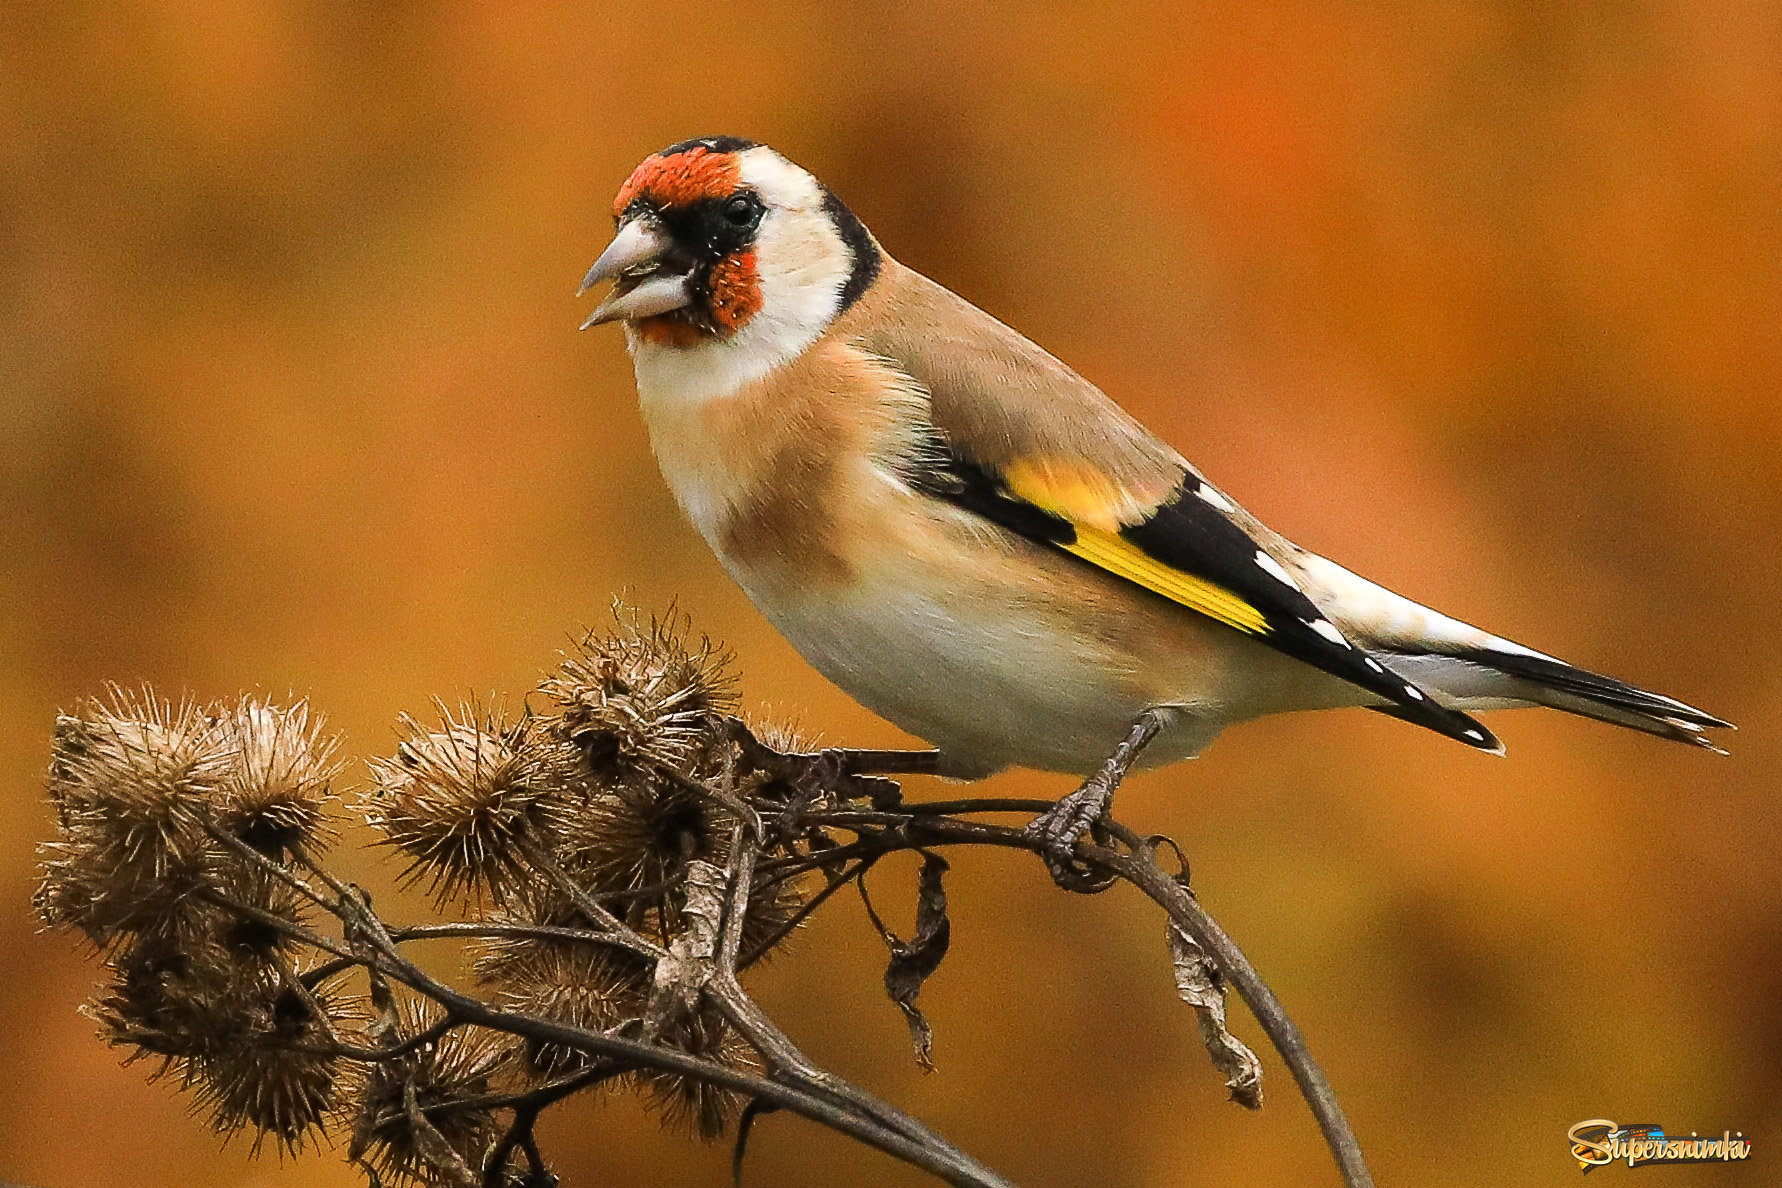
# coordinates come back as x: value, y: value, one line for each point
x: 1328, y: 630
x: 1273, y: 568
x: 1209, y: 495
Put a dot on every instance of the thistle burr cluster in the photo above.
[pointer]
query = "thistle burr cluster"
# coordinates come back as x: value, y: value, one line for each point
x: 580, y: 846
x: 170, y: 816
x: 600, y: 792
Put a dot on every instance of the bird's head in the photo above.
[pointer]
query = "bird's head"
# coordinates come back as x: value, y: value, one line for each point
x: 723, y: 239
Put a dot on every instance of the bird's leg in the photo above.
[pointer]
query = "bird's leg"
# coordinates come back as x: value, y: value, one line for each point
x: 1075, y: 814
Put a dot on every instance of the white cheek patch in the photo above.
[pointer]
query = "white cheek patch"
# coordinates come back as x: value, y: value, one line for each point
x: 781, y: 184
x: 801, y: 265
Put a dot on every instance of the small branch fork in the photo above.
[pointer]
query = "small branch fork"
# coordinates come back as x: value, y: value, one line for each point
x: 819, y: 796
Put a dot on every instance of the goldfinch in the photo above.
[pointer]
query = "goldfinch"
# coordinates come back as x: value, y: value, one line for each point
x: 971, y: 539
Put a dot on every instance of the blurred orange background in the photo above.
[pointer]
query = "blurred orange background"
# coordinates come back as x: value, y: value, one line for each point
x: 1482, y: 299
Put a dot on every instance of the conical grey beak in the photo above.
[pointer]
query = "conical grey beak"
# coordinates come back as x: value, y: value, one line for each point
x: 647, y: 298
x: 637, y: 247
x: 638, y: 244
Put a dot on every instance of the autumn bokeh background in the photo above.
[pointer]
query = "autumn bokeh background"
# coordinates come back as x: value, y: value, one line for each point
x: 1481, y: 298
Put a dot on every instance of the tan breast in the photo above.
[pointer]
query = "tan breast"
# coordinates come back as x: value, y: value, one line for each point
x: 791, y: 476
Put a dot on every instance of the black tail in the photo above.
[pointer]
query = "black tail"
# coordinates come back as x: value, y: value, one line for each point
x: 1489, y: 672
x: 1608, y: 700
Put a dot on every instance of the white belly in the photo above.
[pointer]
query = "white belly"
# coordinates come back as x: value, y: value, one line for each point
x: 991, y: 682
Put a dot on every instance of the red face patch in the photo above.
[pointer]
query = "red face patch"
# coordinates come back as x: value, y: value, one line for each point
x: 735, y: 297
x: 681, y: 179
x: 736, y: 291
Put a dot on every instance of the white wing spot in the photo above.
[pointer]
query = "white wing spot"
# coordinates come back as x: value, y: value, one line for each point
x: 1415, y: 692
x: 1328, y: 630
x: 1373, y: 664
x: 1273, y: 568
x: 1474, y: 735
x: 1208, y: 495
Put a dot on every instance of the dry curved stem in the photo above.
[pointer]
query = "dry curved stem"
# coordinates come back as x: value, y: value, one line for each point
x: 908, y: 825
x: 915, y: 826
x: 1139, y: 867
x: 798, y: 1085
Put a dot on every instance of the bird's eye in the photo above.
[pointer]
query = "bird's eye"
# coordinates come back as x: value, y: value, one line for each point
x: 740, y: 211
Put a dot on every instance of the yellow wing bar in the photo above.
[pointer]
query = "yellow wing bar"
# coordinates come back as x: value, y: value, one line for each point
x: 1081, y: 494
x: 1096, y: 507
x: 1118, y: 556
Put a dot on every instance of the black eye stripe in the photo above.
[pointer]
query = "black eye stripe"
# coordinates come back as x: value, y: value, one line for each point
x: 713, y: 228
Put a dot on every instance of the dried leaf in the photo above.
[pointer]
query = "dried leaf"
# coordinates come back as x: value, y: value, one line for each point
x: 683, y: 973
x: 912, y: 962
x: 1200, y: 985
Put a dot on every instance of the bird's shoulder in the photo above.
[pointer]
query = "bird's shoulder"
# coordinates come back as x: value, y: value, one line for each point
x: 1007, y: 403
x: 1018, y: 412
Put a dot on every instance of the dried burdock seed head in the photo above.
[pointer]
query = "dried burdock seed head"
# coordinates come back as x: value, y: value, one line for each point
x: 693, y: 1102
x: 136, y: 751
x: 243, y: 933
x: 173, y: 999
x: 134, y: 780
x: 580, y: 984
x: 228, y: 1024
x: 641, y: 697
x: 276, y: 1075
x: 642, y: 835
x: 464, y: 1063
x: 277, y: 791
x: 461, y: 800
x: 139, y: 784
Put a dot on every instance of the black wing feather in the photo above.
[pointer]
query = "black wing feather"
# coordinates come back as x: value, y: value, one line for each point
x: 1188, y: 534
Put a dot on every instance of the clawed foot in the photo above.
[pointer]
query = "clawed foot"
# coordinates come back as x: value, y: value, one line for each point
x: 1060, y: 827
